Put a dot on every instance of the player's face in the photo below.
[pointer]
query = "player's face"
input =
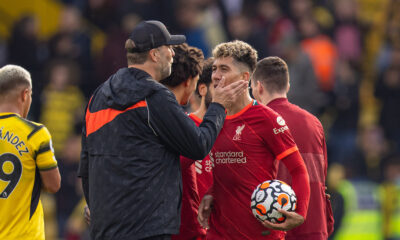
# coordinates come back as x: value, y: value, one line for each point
x: 225, y: 67
x: 166, y: 59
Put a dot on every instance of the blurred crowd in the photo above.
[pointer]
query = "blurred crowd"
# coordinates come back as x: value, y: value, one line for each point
x: 343, y: 57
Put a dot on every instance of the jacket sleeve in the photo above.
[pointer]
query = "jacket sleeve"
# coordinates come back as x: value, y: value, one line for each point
x: 83, y: 169
x: 178, y: 131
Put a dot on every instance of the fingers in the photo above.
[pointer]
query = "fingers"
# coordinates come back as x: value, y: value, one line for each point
x: 86, y: 213
x: 293, y: 220
x: 221, y: 83
x: 202, y: 215
x: 205, y: 210
x: 203, y: 218
x: 274, y: 226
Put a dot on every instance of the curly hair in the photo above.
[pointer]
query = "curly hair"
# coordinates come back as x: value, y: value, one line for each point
x: 240, y: 51
x: 188, y: 62
x: 205, y: 77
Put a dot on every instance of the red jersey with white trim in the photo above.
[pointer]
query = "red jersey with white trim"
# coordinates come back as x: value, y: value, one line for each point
x: 310, y: 139
x: 245, y: 154
x: 203, y: 168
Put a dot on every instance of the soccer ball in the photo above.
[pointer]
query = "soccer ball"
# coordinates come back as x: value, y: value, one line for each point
x: 270, y: 196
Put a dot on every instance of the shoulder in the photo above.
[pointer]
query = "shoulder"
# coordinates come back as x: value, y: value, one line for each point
x: 161, y: 93
x: 263, y: 112
x: 307, y: 115
x: 38, y: 130
x: 31, y: 126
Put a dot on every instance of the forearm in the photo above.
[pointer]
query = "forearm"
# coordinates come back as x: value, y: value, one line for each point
x: 300, y: 181
x: 179, y: 132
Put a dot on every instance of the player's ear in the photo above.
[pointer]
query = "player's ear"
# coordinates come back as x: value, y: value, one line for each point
x: 260, y: 87
x: 24, y: 94
x: 153, y: 55
x: 187, y: 81
x: 246, y: 76
x: 202, y: 89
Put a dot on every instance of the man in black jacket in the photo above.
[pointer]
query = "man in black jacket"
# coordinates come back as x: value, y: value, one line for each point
x: 133, y: 135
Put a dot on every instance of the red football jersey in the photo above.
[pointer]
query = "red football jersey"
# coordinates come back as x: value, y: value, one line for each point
x: 244, y: 155
x: 203, y: 168
x: 310, y: 139
x: 190, y: 227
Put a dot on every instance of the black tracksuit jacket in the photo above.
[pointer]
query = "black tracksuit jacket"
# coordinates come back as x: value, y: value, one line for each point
x: 133, y: 135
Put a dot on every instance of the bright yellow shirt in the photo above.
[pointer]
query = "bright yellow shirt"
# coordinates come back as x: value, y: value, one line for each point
x: 25, y: 148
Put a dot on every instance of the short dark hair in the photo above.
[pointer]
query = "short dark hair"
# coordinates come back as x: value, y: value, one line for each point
x: 240, y: 51
x: 134, y: 57
x: 273, y: 74
x: 205, y: 77
x: 188, y: 62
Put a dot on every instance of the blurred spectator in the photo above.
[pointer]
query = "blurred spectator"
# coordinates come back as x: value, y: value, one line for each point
x: 102, y: 13
x: 390, y: 49
x: 25, y: 50
x: 372, y: 147
x: 147, y: 9
x: 240, y: 27
x: 348, y: 31
x: 304, y: 88
x: 73, y: 42
x: 233, y: 7
x: 336, y: 174
x: 213, y: 22
x: 23, y: 46
x: 362, y: 216
x: 62, y: 102
x: 114, y: 53
x: 70, y: 194
x: 76, y: 228
x: 302, y: 8
x: 188, y: 16
x: 391, y: 198
x: 276, y: 25
x: 346, y: 104
x: 3, y: 53
x: 322, y: 51
x: 388, y: 91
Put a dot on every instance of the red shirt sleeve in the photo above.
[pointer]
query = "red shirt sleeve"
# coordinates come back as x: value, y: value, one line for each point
x: 300, y: 181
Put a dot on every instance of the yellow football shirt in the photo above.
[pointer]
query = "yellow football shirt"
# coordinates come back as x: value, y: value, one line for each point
x: 25, y: 148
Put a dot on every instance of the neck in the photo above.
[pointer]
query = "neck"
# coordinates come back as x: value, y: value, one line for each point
x: 179, y: 92
x: 240, y: 103
x: 12, y: 108
x: 202, y: 109
x: 267, y: 98
x: 147, y: 68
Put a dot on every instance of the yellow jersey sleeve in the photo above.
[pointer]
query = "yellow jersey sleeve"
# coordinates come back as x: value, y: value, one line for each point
x: 43, y: 149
